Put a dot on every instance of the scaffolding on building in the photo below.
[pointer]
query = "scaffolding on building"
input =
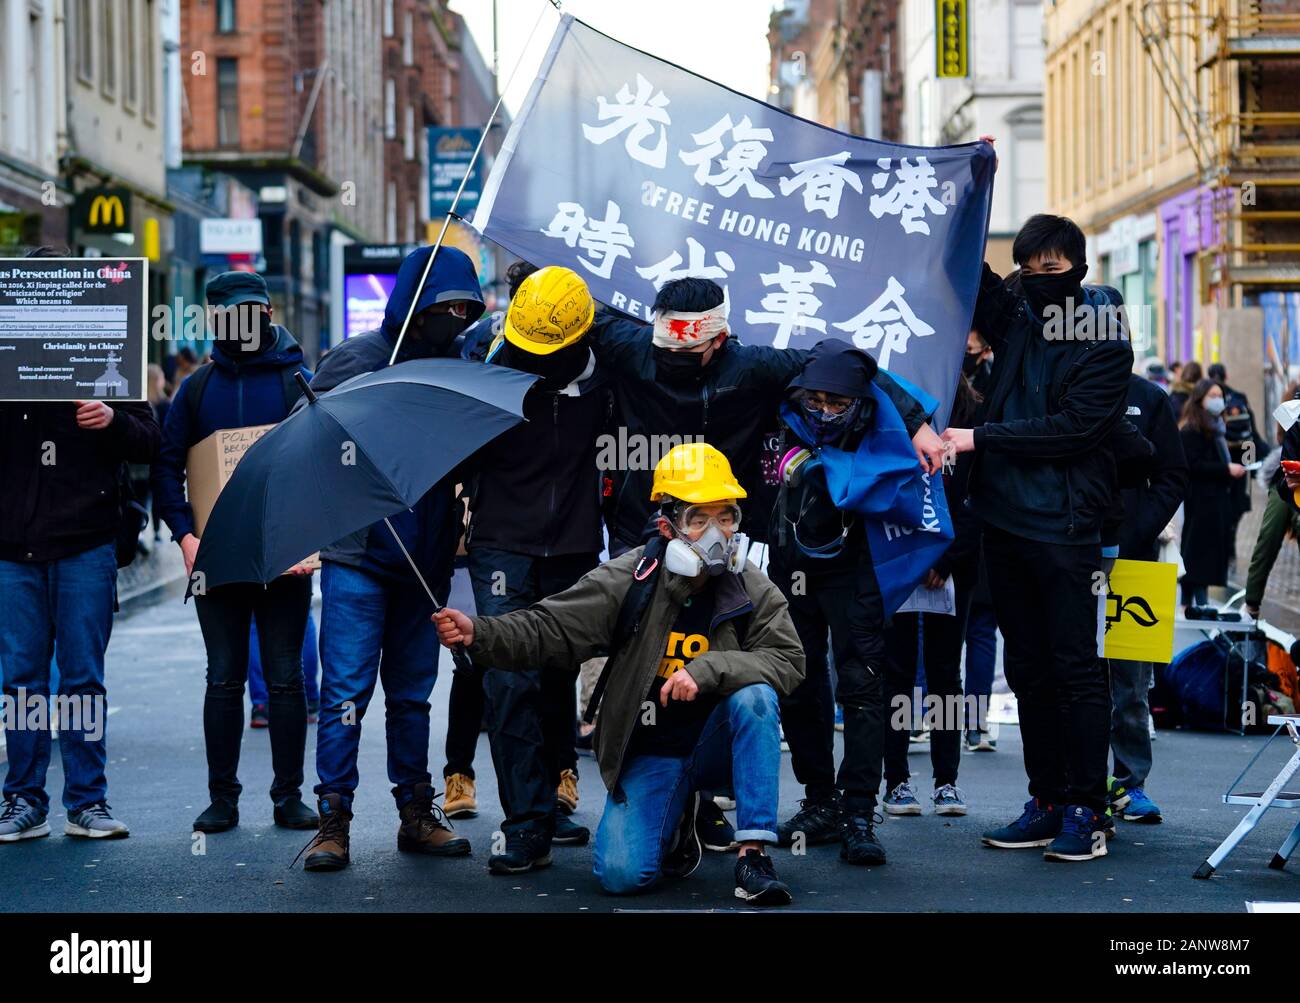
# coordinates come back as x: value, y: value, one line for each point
x: 1223, y: 65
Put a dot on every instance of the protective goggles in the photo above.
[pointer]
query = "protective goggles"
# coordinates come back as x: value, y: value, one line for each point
x: 696, y: 518
x: 834, y: 407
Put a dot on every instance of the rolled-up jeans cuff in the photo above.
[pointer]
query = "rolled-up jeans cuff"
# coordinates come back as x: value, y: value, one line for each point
x: 755, y: 836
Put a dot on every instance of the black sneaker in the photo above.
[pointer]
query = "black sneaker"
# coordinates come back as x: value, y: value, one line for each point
x: 716, y: 833
x: 756, y: 880
x: 817, y: 818
x: 567, y: 831
x: 858, y: 842
x: 291, y: 813
x: 218, y: 817
x: 260, y: 716
x: 526, y: 849
x: 684, y: 854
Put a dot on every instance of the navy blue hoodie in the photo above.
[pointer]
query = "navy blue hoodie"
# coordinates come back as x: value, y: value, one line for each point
x: 430, y: 529
x: 244, y: 388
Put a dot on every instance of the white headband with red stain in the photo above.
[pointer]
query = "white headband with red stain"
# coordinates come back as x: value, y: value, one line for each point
x: 682, y: 329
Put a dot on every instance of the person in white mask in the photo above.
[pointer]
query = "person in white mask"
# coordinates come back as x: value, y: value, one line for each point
x: 700, y: 644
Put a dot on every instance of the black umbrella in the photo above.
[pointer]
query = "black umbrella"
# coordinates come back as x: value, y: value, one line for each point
x: 352, y: 456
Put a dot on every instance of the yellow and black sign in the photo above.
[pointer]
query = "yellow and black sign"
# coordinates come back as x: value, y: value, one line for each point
x: 951, y: 38
x: 104, y: 210
x: 1138, y: 623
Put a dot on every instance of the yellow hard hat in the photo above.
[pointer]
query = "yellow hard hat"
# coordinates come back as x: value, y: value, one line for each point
x: 552, y: 309
x: 695, y: 472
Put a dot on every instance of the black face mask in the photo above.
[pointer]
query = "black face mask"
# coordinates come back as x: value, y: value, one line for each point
x: 970, y: 363
x: 557, y: 369
x: 1048, y: 289
x: 433, y: 333
x: 675, y: 366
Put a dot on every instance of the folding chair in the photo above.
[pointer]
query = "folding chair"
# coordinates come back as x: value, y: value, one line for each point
x: 1273, y: 797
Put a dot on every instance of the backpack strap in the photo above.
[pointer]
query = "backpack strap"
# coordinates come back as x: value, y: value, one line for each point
x: 635, y: 602
x: 197, y: 384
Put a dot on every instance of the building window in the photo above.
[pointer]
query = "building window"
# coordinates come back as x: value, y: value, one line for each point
x: 227, y: 102
x: 410, y: 131
x: 108, y: 23
x: 132, y: 95
x: 390, y: 109
x: 225, y: 16
x: 35, y: 57
x: 408, y: 40
x: 391, y: 229
x: 85, y: 42
x: 388, y: 18
x: 150, y: 63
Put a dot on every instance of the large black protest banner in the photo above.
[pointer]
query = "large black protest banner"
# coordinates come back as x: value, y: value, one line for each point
x: 633, y: 171
x: 73, y: 328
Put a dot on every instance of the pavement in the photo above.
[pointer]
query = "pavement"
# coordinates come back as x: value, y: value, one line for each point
x: 157, y: 785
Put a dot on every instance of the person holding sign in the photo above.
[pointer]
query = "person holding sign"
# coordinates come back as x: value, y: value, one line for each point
x: 1042, y: 481
x: 62, y: 465
x: 249, y: 382
x: 686, y: 375
x: 700, y: 645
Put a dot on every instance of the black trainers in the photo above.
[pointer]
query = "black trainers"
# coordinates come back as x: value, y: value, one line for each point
x: 684, y: 854
x: 526, y: 849
x: 818, y: 819
x: 858, y: 842
x: 756, y: 880
x: 716, y: 833
x: 567, y: 831
x: 291, y: 813
x: 218, y: 817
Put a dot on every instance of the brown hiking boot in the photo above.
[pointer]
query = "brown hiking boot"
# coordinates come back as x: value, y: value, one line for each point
x: 567, y: 792
x: 459, y: 800
x: 425, y: 828
x: 328, y: 850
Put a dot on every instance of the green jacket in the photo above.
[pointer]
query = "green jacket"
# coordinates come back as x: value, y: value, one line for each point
x: 1278, y: 517
x: 566, y: 629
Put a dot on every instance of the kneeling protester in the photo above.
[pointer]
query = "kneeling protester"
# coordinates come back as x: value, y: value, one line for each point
x: 700, y: 647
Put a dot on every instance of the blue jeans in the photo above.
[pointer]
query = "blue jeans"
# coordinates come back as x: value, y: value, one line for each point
x: 740, y: 743
x: 62, y: 608
x: 363, y: 616
x: 981, y: 659
x: 310, y: 666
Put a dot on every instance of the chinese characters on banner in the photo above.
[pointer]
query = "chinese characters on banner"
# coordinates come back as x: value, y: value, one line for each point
x: 634, y: 172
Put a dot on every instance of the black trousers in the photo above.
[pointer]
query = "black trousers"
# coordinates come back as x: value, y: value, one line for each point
x: 225, y: 615
x: 464, y: 721
x: 532, y: 715
x: 1046, y: 604
x: 941, y: 639
x: 846, y: 603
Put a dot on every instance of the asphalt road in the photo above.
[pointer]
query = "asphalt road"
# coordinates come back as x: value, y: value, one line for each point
x: 157, y: 785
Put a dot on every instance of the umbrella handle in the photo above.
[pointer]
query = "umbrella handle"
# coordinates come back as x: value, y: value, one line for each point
x: 460, y: 659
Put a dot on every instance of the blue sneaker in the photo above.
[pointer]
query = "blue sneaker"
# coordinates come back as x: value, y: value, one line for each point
x: 902, y: 801
x: 1083, y: 836
x: 948, y: 800
x: 839, y: 718
x: 1138, y: 807
x: 1037, y: 825
x: 20, y: 819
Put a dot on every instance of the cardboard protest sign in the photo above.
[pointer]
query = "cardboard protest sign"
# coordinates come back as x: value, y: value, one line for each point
x: 73, y: 329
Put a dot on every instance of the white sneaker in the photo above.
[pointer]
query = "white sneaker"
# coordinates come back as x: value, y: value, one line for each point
x: 20, y: 819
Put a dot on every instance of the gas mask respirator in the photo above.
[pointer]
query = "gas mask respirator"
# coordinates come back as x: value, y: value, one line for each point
x: 713, y: 553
